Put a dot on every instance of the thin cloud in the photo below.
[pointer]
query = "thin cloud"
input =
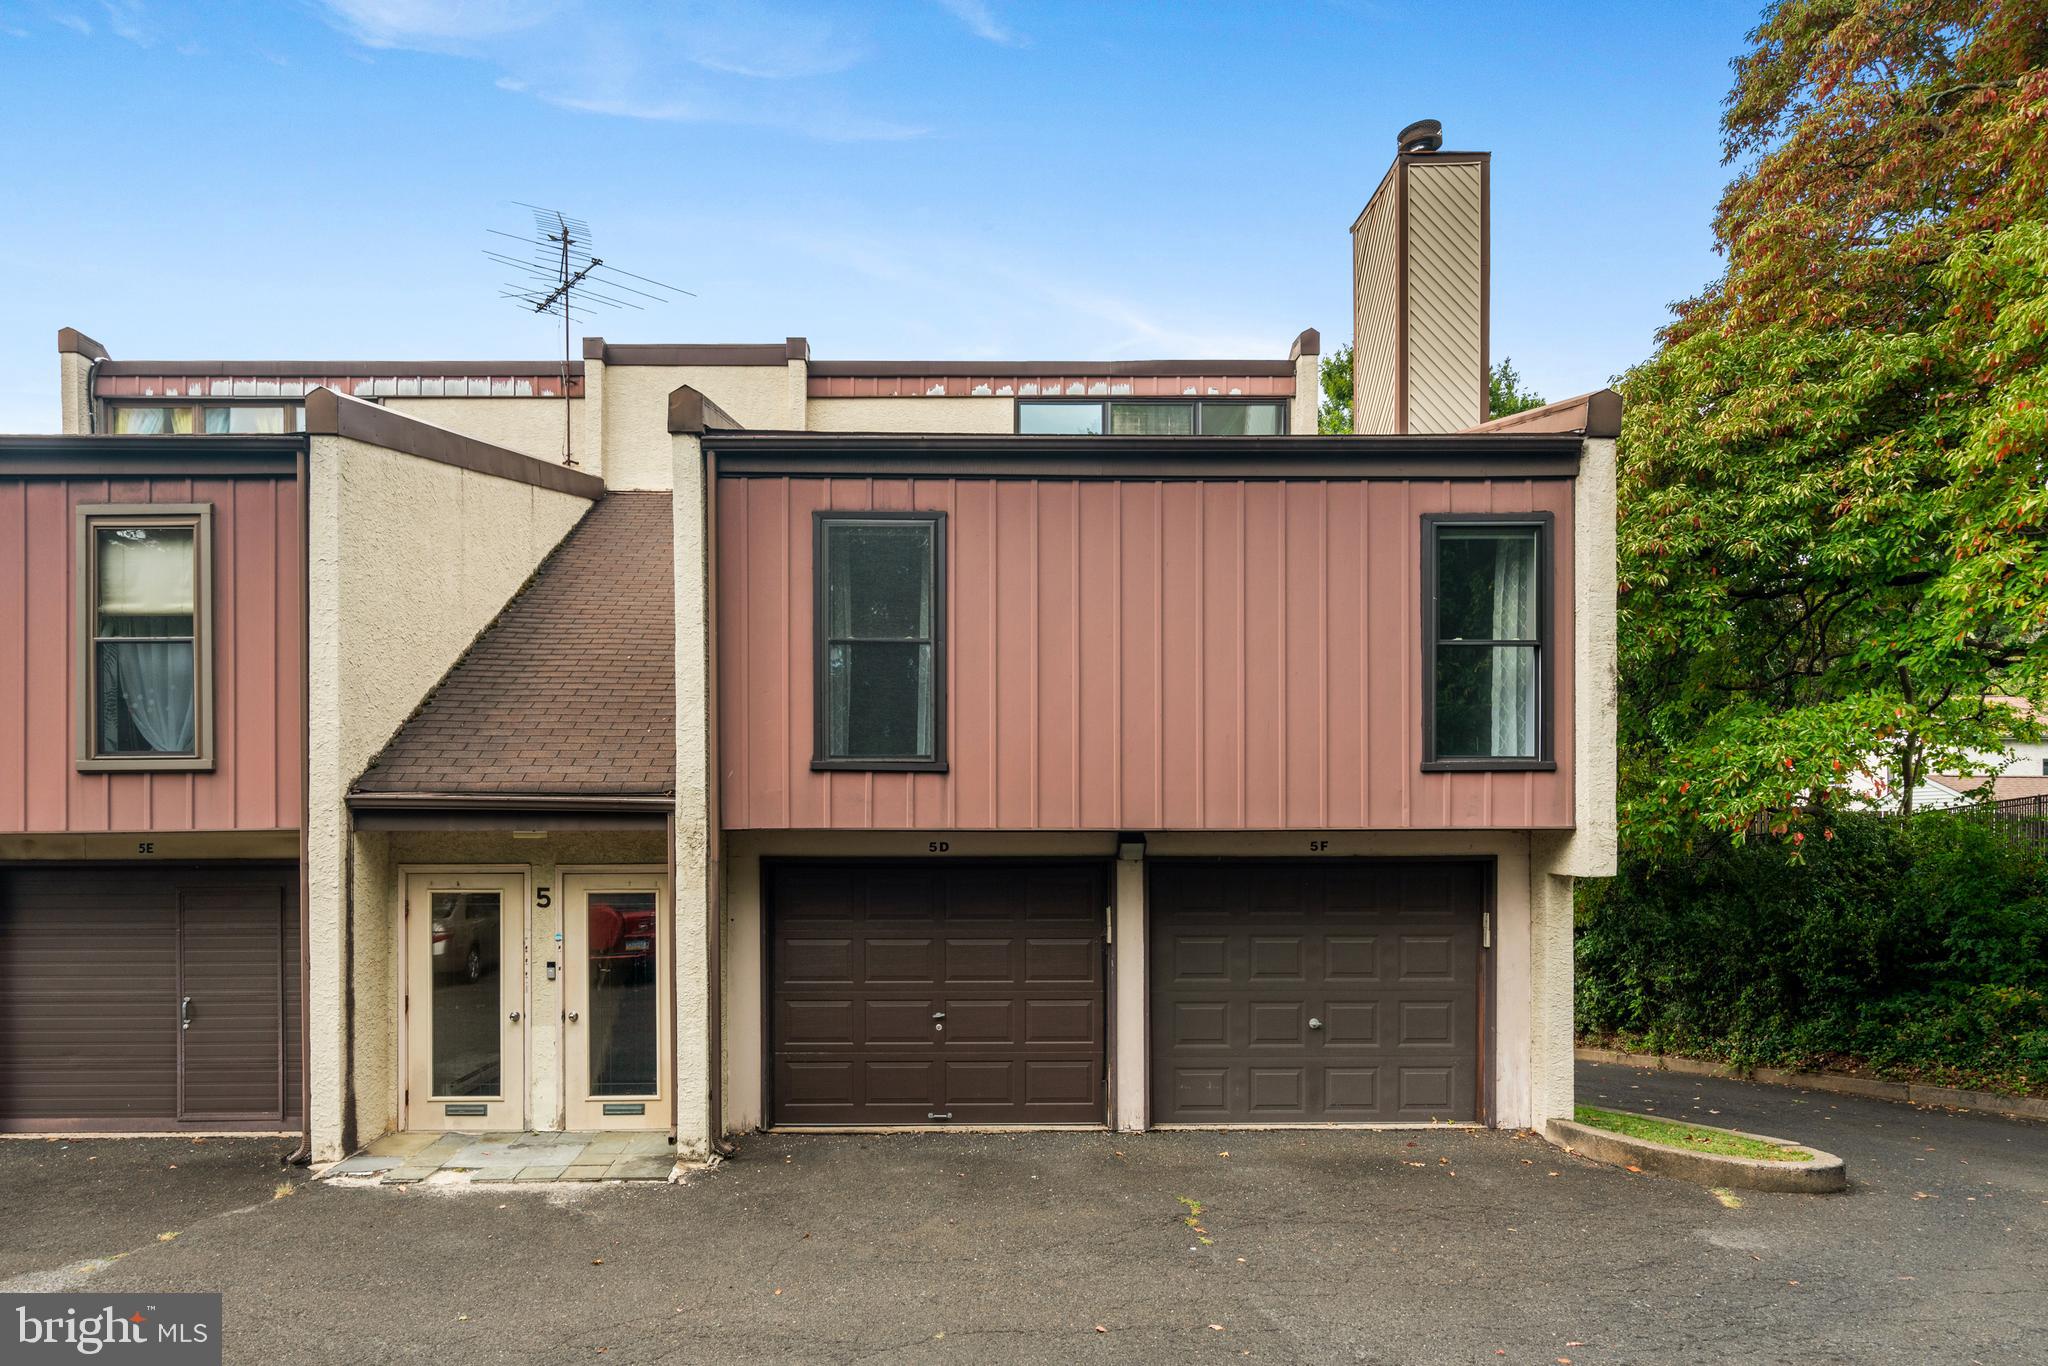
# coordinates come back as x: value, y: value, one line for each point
x: 981, y: 21
x: 721, y: 62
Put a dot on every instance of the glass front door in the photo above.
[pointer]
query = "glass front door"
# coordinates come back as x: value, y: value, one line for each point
x: 465, y: 1001
x: 615, y: 1001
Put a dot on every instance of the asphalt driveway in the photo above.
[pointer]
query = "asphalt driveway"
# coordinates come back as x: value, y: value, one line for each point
x: 1379, y: 1247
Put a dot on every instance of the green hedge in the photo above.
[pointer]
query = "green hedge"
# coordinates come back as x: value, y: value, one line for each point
x: 1913, y: 948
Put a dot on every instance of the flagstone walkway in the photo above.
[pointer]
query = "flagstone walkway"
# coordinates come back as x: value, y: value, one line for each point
x: 401, y: 1159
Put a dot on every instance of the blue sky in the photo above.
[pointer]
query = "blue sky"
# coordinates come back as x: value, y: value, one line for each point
x: 897, y: 178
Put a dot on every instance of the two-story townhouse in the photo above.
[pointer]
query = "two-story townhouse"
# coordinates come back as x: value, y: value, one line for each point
x: 926, y: 743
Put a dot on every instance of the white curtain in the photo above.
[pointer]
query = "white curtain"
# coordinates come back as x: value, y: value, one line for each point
x: 156, y: 684
x: 1514, y: 668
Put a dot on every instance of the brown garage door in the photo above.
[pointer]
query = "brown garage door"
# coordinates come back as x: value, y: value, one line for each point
x: 963, y: 993
x: 1342, y: 992
x: 162, y: 997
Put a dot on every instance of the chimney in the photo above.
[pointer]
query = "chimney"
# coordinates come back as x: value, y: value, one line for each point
x: 1419, y: 263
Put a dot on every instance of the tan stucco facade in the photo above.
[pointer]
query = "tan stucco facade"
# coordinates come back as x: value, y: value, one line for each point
x: 408, y: 559
x: 531, y: 426
x: 696, y: 829
x: 912, y: 415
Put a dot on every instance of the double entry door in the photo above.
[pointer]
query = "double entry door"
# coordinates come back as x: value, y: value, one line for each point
x: 537, y: 1012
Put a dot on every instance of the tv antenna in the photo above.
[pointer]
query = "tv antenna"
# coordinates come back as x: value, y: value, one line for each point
x: 561, y: 276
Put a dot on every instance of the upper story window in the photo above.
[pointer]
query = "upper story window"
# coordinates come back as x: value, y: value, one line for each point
x: 1486, y: 647
x: 216, y: 419
x: 144, y: 691
x: 880, y: 640
x: 1151, y: 417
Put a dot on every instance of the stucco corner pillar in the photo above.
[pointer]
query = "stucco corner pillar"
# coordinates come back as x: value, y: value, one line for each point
x: 1133, y: 1073
x: 592, y: 436
x: 327, y: 836
x: 76, y: 356
x: 1551, y: 1027
x: 797, y: 354
x: 695, y: 831
x: 1306, y: 354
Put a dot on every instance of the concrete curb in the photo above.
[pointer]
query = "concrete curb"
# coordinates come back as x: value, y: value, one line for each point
x: 1824, y: 1175
x: 1838, y: 1083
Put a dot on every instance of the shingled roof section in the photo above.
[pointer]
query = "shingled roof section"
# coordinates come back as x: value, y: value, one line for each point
x: 571, y: 691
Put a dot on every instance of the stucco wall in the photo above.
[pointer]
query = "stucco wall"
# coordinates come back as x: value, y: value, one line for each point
x: 529, y: 425
x: 696, y: 818
x: 1532, y: 1046
x: 74, y: 393
x: 637, y: 450
x: 408, y: 560
x: 912, y: 415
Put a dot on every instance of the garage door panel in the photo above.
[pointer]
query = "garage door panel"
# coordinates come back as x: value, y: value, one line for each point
x: 1383, y: 957
x: 93, y: 964
x: 810, y: 960
x: 1010, y: 955
x: 895, y: 1024
x: 981, y: 960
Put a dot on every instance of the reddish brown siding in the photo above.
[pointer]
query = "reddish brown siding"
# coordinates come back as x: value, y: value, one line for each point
x: 1220, y: 655
x: 254, y: 784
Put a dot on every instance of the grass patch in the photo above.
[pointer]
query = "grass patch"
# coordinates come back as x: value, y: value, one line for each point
x: 1690, y: 1136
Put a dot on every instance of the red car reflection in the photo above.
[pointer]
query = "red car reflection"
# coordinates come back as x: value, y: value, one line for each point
x: 622, y: 938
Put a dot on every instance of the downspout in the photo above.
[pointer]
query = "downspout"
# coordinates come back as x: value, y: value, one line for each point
x: 302, y: 472
x: 675, y: 1105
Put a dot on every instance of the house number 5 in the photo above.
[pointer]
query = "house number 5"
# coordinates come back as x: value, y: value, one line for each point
x: 541, y: 898
x: 1318, y: 846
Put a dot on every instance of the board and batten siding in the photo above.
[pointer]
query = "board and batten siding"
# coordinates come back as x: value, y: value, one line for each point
x: 254, y: 783
x: 1133, y: 655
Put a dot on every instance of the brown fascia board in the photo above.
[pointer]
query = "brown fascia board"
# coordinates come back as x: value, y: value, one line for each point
x: 72, y: 342
x: 332, y: 414
x: 883, y: 369
x: 1597, y: 415
x: 365, y: 368
x: 691, y: 413
x: 1309, y: 343
x: 1456, y: 456
x: 659, y: 353
x: 130, y: 455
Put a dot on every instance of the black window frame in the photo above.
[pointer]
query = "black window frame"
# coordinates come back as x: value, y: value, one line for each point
x: 822, y: 641
x: 1101, y: 403
x: 1544, y: 524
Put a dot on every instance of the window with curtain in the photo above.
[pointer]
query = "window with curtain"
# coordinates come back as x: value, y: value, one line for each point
x: 1486, y: 643
x: 880, y: 641
x: 145, y: 619
x: 239, y: 419
x: 1150, y: 417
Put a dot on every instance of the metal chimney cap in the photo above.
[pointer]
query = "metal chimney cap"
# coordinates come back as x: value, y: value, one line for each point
x: 1423, y: 135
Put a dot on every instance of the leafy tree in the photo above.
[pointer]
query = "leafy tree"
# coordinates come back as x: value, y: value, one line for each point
x: 1834, y: 539
x: 1504, y: 391
x: 1333, y: 415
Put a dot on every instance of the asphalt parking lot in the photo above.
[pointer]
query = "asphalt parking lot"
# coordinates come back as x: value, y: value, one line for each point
x: 1447, y: 1246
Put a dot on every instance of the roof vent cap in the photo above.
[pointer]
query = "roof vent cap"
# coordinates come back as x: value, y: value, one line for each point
x: 1423, y: 135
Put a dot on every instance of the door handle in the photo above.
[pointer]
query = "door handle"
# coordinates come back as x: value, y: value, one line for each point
x: 515, y: 1017
x: 938, y: 1014
x: 572, y: 1017
x: 185, y: 1012
x: 1314, y: 1023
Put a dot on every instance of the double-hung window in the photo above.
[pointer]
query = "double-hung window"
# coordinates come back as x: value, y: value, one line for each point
x: 144, y: 575
x: 1487, y: 641
x: 880, y: 690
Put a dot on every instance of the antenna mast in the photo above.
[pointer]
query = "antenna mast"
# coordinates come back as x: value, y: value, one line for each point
x: 560, y: 276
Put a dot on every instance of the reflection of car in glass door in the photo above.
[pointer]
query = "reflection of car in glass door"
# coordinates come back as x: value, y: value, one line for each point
x: 622, y: 938
x: 465, y: 937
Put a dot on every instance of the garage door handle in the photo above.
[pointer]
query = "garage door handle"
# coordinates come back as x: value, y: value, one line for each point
x: 1314, y: 1023
x: 938, y: 1014
x: 185, y: 1013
